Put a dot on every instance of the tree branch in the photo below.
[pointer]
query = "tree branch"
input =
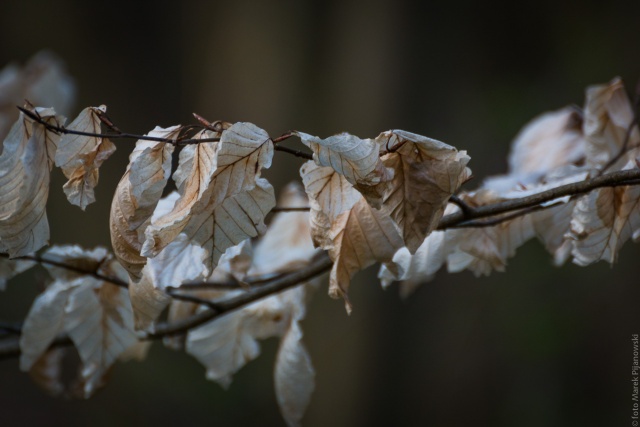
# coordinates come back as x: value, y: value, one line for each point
x: 613, y: 179
x: 9, y: 347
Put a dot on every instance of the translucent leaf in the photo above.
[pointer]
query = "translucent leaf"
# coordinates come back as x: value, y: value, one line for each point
x: 358, y: 160
x: 287, y: 245
x: 607, y: 117
x: 356, y: 237
x: 549, y: 141
x: 294, y: 376
x: 137, y: 195
x: 45, y: 321
x: 25, y: 164
x: 603, y: 221
x: 413, y: 270
x: 80, y: 156
x: 426, y: 173
x: 230, y: 207
x: 484, y: 249
x: 47, y: 372
x: 100, y: 324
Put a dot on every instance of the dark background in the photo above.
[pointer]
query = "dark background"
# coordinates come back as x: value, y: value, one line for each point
x: 535, y: 346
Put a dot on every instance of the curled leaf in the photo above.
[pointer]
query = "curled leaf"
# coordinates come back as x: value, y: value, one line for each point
x: 137, y: 195
x: 81, y: 156
x: 25, y: 163
x: 426, y: 173
x: 358, y: 160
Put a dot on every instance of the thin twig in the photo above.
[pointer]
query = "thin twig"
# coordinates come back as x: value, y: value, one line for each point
x: 190, y: 298
x: 613, y: 179
x: 318, y: 266
x: 286, y: 209
x: 70, y: 267
x: 297, y: 153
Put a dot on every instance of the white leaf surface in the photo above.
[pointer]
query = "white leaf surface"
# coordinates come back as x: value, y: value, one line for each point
x: 294, y: 376
x: 81, y: 156
x: 426, y: 173
x: 137, y: 195
x: 25, y: 163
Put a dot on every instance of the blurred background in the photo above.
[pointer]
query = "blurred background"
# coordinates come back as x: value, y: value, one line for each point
x: 535, y: 346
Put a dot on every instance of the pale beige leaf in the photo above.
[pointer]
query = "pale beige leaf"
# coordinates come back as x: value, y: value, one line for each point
x: 426, y: 173
x: 195, y: 171
x: 10, y: 268
x: 549, y: 141
x: 227, y: 344
x: 80, y: 156
x: 485, y: 249
x: 413, y: 270
x: 607, y: 117
x: 237, y: 218
x: 25, y: 164
x: 603, y: 221
x: 358, y: 160
x: 137, y: 195
x: 329, y: 196
x: 76, y: 256
x: 147, y: 302
x: 47, y: 372
x: 42, y: 81
x: 234, y: 203
x: 355, y: 234
x: 294, y: 376
x: 360, y: 238
x: 99, y: 321
x: 45, y: 321
x: 287, y: 244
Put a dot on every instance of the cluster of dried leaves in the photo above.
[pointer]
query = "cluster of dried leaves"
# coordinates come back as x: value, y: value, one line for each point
x: 371, y: 200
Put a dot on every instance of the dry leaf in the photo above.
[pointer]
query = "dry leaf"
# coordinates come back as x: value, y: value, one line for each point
x: 287, y: 245
x: 607, y: 117
x: 356, y: 237
x: 413, y: 270
x: 80, y: 156
x: 294, y: 376
x: 99, y: 321
x: 549, y: 141
x: 137, y: 195
x: 47, y: 372
x: 25, y: 164
x: 358, y: 160
x: 426, y: 173
x: 484, y: 249
x: 603, y: 221
x: 230, y: 207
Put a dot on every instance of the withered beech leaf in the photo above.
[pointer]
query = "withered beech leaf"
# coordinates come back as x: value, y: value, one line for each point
x: 294, y: 376
x: 356, y: 237
x: 358, y: 160
x: 415, y: 269
x: 25, y: 165
x: 426, y: 173
x: 607, y: 116
x: 230, y: 205
x: 80, y: 156
x: 195, y: 171
x: 287, y: 244
x: 99, y: 320
x: 47, y: 372
x: 484, y: 249
x: 95, y: 314
x: 137, y: 195
x: 603, y: 221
